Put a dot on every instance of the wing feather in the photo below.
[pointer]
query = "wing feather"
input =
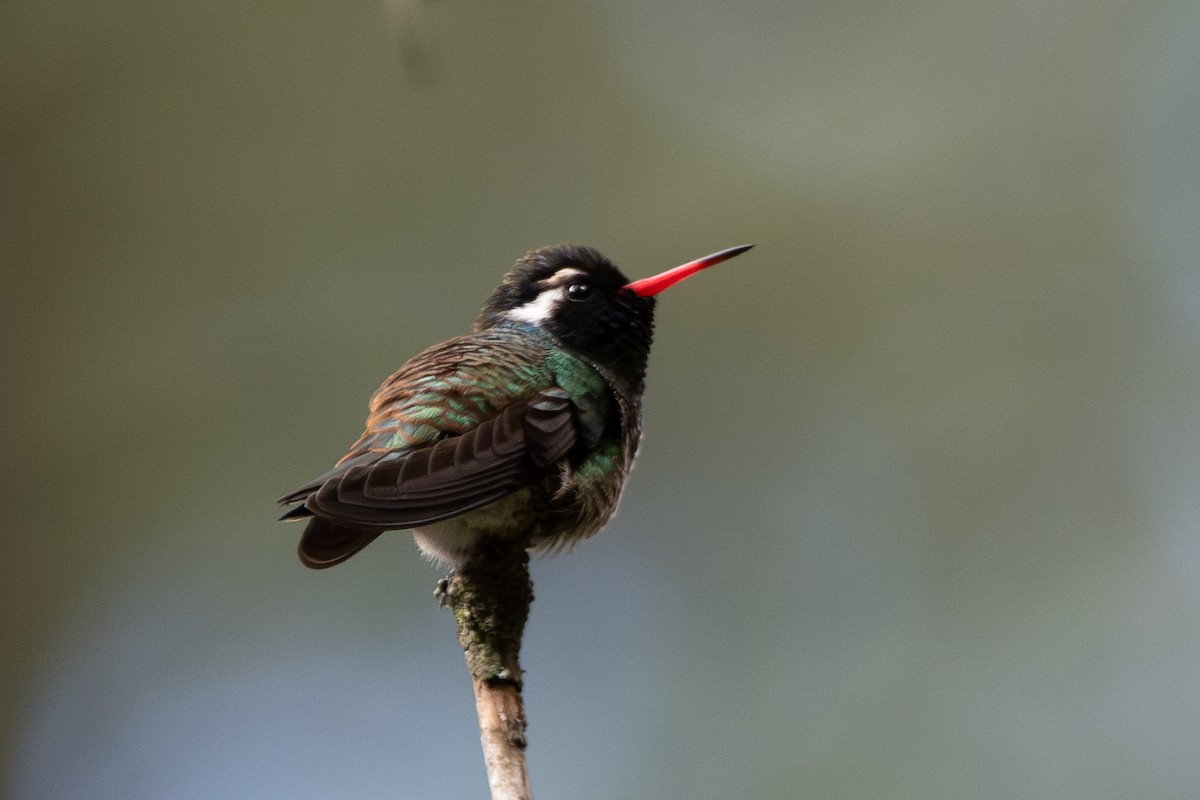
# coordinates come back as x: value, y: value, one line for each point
x: 456, y: 474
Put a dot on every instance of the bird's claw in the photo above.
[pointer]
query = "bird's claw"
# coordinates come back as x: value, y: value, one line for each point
x: 443, y: 592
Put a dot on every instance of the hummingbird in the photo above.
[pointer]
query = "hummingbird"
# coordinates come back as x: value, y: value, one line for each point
x: 525, y: 428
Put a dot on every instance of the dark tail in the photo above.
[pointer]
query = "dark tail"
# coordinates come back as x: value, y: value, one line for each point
x: 327, y: 543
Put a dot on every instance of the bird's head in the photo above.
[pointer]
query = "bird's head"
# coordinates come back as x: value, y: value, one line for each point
x: 584, y: 302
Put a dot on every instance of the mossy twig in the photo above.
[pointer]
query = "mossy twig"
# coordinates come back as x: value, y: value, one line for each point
x: 490, y: 595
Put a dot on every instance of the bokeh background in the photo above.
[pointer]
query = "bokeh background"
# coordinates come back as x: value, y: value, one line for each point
x: 916, y: 515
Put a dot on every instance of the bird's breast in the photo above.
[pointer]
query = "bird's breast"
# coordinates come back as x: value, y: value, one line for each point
x: 450, y: 541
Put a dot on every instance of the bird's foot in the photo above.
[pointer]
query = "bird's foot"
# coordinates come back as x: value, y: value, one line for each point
x: 444, y: 592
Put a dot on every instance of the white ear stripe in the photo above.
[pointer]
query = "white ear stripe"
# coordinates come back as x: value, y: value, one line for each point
x: 552, y: 293
x: 539, y: 308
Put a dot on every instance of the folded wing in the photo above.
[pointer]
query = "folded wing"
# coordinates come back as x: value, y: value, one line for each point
x: 407, y: 488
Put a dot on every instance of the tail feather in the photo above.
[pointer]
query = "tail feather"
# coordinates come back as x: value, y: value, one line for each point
x: 299, y: 512
x: 326, y: 543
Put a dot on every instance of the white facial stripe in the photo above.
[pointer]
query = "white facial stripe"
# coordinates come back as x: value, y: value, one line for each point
x: 552, y: 292
x: 540, y: 307
x: 562, y: 276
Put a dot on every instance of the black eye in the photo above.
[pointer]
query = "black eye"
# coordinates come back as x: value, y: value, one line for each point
x: 579, y: 292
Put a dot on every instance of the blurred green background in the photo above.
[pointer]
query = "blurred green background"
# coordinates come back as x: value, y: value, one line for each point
x: 916, y: 515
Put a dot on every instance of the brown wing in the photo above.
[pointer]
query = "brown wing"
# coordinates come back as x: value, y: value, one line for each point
x: 410, y: 488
